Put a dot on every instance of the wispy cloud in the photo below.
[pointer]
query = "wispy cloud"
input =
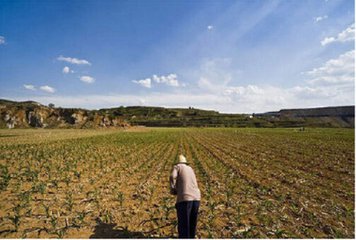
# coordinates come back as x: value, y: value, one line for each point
x: 242, y: 90
x: 214, y: 74
x: 143, y: 82
x: 74, y: 60
x: 320, y: 18
x: 87, y: 79
x: 335, y: 71
x: 2, y: 40
x: 347, y: 35
x: 210, y: 27
x: 29, y: 87
x: 48, y: 89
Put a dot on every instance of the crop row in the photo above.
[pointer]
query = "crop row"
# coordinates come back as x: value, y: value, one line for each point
x: 254, y: 183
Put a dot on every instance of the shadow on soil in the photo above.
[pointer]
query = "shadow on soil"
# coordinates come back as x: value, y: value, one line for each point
x: 111, y: 230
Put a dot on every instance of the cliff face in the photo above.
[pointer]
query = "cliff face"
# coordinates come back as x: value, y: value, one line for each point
x: 32, y: 114
x: 332, y: 116
x: 343, y: 116
x: 345, y: 111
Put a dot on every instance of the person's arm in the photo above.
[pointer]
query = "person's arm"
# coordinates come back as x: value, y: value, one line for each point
x: 173, y: 180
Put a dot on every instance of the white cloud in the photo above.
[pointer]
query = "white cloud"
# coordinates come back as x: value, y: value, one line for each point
x: 271, y: 94
x: 237, y: 99
x: 335, y: 71
x: 29, y: 87
x: 74, y: 60
x: 48, y: 89
x: 170, y: 79
x: 332, y: 84
x: 327, y: 40
x: 66, y: 70
x: 250, y: 89
x: 210, y: 27
x: 87, y: 79
x: 143, y: 82
x: 2, y: 40
x: 347, y: 35
x: 318, y: 92
x: 253, y: 98
x: 320, y: 18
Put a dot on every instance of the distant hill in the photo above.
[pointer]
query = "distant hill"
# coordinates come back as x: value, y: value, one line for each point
x: 343, y: 116
x: 32, y: 114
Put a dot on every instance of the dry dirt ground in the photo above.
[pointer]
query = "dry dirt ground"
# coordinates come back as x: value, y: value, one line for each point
x: 255, y: 183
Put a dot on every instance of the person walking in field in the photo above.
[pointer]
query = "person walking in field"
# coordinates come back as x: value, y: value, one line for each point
x: 184, y: 184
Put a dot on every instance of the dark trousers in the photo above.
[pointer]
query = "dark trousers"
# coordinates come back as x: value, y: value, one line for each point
x: 187, y: 213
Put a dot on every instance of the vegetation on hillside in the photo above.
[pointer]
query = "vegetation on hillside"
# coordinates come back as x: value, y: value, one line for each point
x: 32, y: 114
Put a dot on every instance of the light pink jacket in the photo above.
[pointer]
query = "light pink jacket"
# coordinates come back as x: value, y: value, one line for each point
x: 184, y: 183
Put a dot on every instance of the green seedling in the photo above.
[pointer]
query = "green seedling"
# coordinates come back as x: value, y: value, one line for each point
x: 46, y: 208
x: 120, y: 197
x: 106, y: 216
x: 81, y: 216
x: 17, y: 217
x: 4, y: 178
x: 40, y: 187
x: 25, y: 198
x: 69, y: 201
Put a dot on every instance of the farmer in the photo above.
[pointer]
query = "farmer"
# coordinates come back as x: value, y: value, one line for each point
x: 184, y: 184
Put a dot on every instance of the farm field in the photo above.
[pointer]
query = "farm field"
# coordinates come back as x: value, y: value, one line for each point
x: 255, y: 183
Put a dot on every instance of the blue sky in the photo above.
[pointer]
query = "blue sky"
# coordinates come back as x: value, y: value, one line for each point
x: 231, y: 56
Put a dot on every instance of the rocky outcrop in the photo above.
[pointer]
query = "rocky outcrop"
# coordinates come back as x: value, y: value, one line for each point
x: 34, y: 115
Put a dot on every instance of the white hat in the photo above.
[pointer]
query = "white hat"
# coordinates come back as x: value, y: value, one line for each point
x: 182, y: 159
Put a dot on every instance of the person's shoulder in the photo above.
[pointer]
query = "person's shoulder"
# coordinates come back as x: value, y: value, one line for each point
x: 180, y: 165
x: 184, y: 166
x: 176, y: 166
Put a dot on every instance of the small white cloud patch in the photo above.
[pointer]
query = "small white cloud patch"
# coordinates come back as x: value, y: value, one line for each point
x: 2, y: 40
x: 210, y: 27
x: 87, y: 79
x: 170, y: 79
x: 74, y: 60
x: 143, y: 82
x: 29, y: 87
x: 47, y: 89
x: 66, y: 70
x: 347, y: 35
x: 320, y: 18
